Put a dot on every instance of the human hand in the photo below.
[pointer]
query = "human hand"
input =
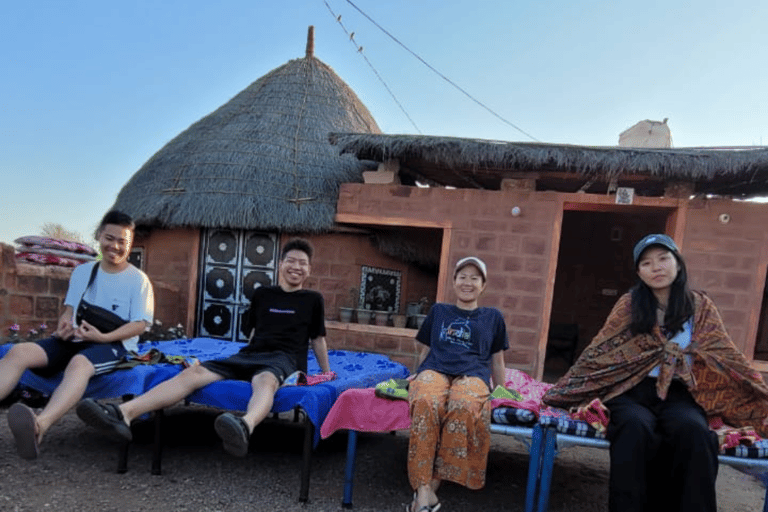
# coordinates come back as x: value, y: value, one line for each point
x: 87, y: 332
x: 64, y: 329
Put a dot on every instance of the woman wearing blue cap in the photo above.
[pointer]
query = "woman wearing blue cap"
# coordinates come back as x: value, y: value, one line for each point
x: 664, y: 365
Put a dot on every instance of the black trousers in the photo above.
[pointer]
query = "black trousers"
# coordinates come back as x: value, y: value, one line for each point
x: 663, y: 454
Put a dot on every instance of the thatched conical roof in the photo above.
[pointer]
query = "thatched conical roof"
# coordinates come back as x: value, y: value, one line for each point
x: 260, y: 161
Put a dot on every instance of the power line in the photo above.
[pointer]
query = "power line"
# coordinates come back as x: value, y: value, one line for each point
x: 441, y: 75
x: 360, y: 51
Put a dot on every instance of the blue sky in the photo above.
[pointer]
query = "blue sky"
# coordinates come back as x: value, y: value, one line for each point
x: 91, y: 89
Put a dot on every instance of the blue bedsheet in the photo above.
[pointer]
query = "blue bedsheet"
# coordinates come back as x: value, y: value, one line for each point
x: 354, y: 370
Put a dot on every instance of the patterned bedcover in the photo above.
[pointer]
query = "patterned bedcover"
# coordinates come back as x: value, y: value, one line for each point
x: 354, y: 370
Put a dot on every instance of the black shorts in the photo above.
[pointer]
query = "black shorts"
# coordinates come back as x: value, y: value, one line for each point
x: 243, y: 366
x: 103, y: 356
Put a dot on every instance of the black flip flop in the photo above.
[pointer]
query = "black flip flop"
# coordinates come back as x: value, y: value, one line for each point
x: 21, y: 421
x: 104, y: 417
x: 234, y: 434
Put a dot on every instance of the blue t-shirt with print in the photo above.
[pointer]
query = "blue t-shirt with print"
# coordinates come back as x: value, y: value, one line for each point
x: 462, y: 341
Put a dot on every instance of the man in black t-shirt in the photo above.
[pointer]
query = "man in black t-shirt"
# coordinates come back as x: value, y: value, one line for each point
x: 283, y: 319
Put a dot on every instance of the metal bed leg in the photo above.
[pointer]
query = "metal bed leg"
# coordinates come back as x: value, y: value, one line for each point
x: 122, y: 457
x: 765, y: 500
x: 547, y: 465
x: 349, y: 468
x: 309, y: 431
x: 157, y: 449
x: 534, y: 466
x: 122, y: 453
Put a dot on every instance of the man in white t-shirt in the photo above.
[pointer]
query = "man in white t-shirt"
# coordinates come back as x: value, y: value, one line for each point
x: 80, y: 349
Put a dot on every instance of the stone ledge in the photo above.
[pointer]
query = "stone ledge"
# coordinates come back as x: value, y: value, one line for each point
x: 29, y: 269
x: 370, y: 329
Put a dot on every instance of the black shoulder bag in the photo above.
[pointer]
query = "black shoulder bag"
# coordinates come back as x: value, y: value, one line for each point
x: 102, y: 319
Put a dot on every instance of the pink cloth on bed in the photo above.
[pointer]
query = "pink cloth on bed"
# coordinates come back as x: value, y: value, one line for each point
x: 531, y: 389
x: 363, y: 411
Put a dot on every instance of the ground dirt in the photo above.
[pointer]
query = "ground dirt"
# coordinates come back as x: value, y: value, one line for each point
x: 76, y: 472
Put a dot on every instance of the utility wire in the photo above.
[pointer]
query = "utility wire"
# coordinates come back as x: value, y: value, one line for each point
x: 360, y: 51
x: 441, y: 75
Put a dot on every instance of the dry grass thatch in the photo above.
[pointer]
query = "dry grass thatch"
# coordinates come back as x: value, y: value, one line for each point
x: 455, y: 161
x: 260, y: 161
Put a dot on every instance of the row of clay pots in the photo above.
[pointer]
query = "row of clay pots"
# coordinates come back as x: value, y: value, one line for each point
x: 364, y: 316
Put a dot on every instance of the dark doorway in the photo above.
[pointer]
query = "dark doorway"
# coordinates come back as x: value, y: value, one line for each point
x: 761, y: 346
x: 594, y: 268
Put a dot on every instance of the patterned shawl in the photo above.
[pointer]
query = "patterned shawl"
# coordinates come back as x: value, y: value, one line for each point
x: 720, y: 378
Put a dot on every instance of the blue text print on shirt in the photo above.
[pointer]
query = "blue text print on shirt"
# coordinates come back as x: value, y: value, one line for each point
x: 457, y: 332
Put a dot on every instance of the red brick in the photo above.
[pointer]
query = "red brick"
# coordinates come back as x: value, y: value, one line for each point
x: 344, y: 270
x: 536, y: 246
x: 527, y: 284
x: 418, y: 207
x: 748, y: 263
x: 408, y: 361
x: 531, y: 304
x: 400, y: 191
x: 513, y: 264
x: 517, y: 355
x: 523, y: 339
x: 486, y: 243
x: 487, y: 225
x: 524, y: 321
x: 725, y: 261
x: 20, y: 306
x: 360, y: 341
x: 731, y: 317
x: 509, y: 243
x: 321, y: 269
x: 723, y: 299
x: 492, y: 300
x: 708, y: 279
x: 9, y: 257
x: 369, y: 206
x: 32, y: 284
x: 463, y: 241
x: 510, y: 302
x: 520, y: 226
x: 535, y: 265
x: 492, y: 262
x: 392, y: 206
x: 58, y: 286
x: 47, y: 307
x: 386, y: 343
x: 738, y: 281
x: 697, y: 259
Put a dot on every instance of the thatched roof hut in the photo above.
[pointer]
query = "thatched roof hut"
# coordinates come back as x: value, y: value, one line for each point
x: 459, y: 162
x: 260, y: 161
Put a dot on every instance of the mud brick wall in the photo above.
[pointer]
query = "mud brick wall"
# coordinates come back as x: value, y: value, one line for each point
x: 171, y: 263
x: 728, y: 261
x: 517, y: 249
x: 337, y: 267
x: 30, y: 294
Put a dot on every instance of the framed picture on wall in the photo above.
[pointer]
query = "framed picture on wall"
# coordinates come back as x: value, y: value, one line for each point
x: 380, y: 289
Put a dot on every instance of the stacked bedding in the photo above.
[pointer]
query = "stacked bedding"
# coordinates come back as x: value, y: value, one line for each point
x: 43, y: 250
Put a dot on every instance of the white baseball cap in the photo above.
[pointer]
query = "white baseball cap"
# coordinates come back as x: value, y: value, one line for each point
x: 471, y: 260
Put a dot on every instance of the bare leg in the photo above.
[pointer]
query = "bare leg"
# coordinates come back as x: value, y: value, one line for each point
x: 264, y: 386
x: 169, y: 392
x: 16, y: 362
x: 76, y: 376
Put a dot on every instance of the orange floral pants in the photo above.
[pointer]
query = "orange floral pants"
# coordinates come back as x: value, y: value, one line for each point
x: 450, y: 429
